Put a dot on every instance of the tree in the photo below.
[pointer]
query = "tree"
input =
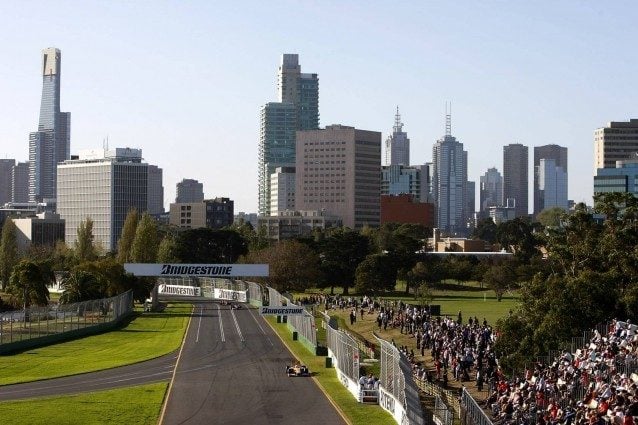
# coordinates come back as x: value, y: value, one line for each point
x: 80, y: 285
x: 485, y: 230
x: 551, y: 217
x: 292, y: 265
x: 205, y: 245
x: 28, y: 283
x: 84, y: 245
x: 146, y: 241
x: 340, y: 254
x: 9, y: 255
x: 518, y: 236
x: 499, y: 278
x: 166, y: 250
x: 375, y: 274
x: 128, y: 235
x: 110, y: 274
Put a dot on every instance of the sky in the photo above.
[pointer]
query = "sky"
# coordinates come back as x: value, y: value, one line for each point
x: 184, y: 80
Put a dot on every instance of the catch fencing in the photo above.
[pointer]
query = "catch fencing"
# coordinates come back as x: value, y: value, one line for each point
x: 471, y: 412
x: 43, y: 325
x: 443, y: 415
x: 449, y: 400
x: 345, y: 351
x: 398, y: 386
x: 304, y: 324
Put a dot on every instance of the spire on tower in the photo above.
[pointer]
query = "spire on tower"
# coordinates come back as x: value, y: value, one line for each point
x: 448, y: 118
x: 398, y: 125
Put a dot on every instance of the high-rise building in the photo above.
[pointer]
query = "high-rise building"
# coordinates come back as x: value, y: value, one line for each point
x: 491, y: 191
x: 402, y: 179
x: 552, y: 185
x: 51, y: 144
x: 103, y: 185
x: 6, y: 166
x: 470, y: 204
x: 623, y: 178
x: 449, y: 182
x: 516, y: 178
x: 617, y: 141
x: 559, y: 155
x: 155, y: 190
x: 20, y: 183
x: 282, y: 190
x: 339, y: 171
x: 189, y: 190
x: 397, y: 146
x: 297, y: 109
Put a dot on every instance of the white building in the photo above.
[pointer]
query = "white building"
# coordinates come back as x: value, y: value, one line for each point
x: 282, y: 190
x: 449, y: 184
x: 102, y: 185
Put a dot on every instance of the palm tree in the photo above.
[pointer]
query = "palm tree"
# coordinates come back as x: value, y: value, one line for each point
x: 28, y: 283
x: 80, y: 285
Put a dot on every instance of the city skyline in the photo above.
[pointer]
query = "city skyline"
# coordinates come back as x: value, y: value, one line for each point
x: 514, y: 73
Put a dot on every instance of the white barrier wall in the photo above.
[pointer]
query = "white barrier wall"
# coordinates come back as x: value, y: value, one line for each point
x: 345, y: 380
x: 392, y: 405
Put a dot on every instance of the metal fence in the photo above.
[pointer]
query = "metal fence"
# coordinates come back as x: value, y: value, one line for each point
x: 471, y: 413
x: 40, y: 322
x: 345, y: 350
x: 304, y: 325
x: 397, y: 379
x: 448, y: 397
x: 442, y: 412
x: 255, y: 296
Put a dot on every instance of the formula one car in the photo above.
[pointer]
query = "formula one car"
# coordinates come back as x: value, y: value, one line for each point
x: 235, y: 306
x: 297, y: 370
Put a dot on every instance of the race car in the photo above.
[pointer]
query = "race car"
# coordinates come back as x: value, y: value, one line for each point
x: 297, y: 370
x: 235, y: 306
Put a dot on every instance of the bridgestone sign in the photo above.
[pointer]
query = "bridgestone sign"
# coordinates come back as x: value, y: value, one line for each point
x: 281, y: 311
x: 227, y: 294
x: 203, y: 270
x: 192, y: 291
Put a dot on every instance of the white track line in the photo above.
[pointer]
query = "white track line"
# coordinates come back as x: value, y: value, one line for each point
x: 232, y: 312
x: 259, y: 325
x: 221, y: 326
x: 199, y: 325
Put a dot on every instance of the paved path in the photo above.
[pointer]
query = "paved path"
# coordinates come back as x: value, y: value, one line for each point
x: 232, y: 371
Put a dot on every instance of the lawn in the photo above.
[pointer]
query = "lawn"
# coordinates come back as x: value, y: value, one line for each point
x: 131, y: 405
x: 355, y: 412
x: 147, y: 336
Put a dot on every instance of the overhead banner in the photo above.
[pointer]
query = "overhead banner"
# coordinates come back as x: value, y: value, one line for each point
x: 227, y: 294
x: 164, y: 289
x: 281, y: 311
x: 203, y: 270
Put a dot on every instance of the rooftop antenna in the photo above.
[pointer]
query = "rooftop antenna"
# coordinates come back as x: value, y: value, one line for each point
x: 448, y: 118
x: 107, y: 142
x: 398, y: 125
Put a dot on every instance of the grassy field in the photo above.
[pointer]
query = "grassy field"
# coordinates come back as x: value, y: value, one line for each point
x: 132, y: 405
x: 147, y: 336
x: 355, y: 412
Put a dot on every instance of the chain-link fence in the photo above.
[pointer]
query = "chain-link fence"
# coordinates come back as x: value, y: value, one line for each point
x: 345, y: 351
x: 396, y: 378
x: 41, y: 322
x: 442, y: 413
x: 303, y: 324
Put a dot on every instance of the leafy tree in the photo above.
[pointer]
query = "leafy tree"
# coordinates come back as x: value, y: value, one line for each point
x: 500, y: 278
x: 485, y: 230
x: 146, y: 241
x: 519, y: 237
x: 80, y: 285
x: 9, y: 255
x: 551, y: 217
x: 293, y: 266
x: 84, y: 245
x: 129, y: 230
x: 206, y: 245
x: 28, y: 283
x: 166, y: 250
x: 340, y: 254
x: 256, y: 239
x: 110, y: 275
x: 375, y: 274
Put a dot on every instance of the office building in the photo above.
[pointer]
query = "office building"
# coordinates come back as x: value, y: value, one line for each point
x: 397, y: 146
x: 282, y: 190
x: 543, y: 190
x: 339, y: 171
x: 406, y: 208
x: 155, y: 190
x: 20, y: 183
x: 51, y: 144
x: 244, y: 217
x: 102, y: 185
x: 292, y: 224
x: 617, y: 141
x: 623, y: 178
x: 189, y: 190
x: 403, y: 179
x: 516, y: 178
x: 491, y: 191
x: 449, y: 183
x: 213, y: 213
x: 44, y: 229
x: 6, y: 166
x: 552, y: 186
x: 470, y: 204
x: 297, y: 109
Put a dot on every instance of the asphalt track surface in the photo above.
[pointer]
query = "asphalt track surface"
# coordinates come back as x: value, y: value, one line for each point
x: 232, y: 371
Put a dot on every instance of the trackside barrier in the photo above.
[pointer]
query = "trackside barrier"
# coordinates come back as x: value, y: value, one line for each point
x: 471, y: 412
x: 304, y: 325
x: 442, y: 414
x: 38, y: 326
x: 345, y: 352
x: 398, y: 394
x: 448, y: 397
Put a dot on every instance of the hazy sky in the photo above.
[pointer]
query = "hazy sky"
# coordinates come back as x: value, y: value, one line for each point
x: 184, y: 81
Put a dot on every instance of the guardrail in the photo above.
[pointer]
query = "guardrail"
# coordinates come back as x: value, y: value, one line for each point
x: 471, y: 412
x: 35, y: 326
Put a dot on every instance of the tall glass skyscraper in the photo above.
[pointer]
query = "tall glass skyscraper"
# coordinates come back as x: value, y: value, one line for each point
x: 51, y: 144
x: 297, y: 109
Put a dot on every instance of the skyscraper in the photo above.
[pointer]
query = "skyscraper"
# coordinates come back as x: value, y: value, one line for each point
x: 516, y: 178
x: 189, y: 190
x: 6, y: 166
x: 297, y: 109
x: 559, y: 155
x: 552, y: 185
x: 20, y: 183
x: 397, y: 146
x: 51, y: 144
x: 491, y: 191
x: 339, y: 171
x: 617, y: 141
x: 155, y: 190
x: 449, y: 182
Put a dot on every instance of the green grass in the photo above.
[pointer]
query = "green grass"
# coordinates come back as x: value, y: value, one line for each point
x: 355, y: 412
x: 147, y: 336
x: 132, y: 405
